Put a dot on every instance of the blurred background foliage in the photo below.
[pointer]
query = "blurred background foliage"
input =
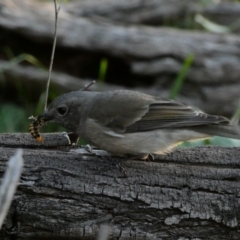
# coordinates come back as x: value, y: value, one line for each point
x: 15, y: 109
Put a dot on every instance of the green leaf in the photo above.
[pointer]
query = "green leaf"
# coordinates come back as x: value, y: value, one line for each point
x: 103, y: 69
x: 178, y: 83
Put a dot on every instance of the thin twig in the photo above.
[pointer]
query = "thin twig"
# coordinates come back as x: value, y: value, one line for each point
x: 57, y: 9
x: 88, y: 85
x: 10, y: 183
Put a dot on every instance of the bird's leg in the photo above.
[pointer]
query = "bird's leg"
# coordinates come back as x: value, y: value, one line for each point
x: 143, y: 156
x: 73, y: 137
x: 73, y: 141
x: 88, y: 148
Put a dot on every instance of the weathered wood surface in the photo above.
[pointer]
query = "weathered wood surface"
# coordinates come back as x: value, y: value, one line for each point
x: 138, y: 42
x: 149, y: 12
x: 152, y: 12
x: 224, y: 13
x: 25, y: 140
x: 159, y: 12
x: 34, y: 78
x: 212, y: 83
x: 189, y: 193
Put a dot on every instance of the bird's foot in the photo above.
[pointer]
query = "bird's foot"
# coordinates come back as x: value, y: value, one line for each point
x: 143, y: 156
x: 73, y: 137
x: 88, y: 148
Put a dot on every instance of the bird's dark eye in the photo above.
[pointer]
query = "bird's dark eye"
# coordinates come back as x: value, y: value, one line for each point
x: 62, y: 110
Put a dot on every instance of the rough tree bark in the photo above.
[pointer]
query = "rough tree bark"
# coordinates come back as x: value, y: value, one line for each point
x: 187, y: 194
x: 212, y: 83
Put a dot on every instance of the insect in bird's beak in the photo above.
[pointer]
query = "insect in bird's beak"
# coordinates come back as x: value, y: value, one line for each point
x: 34, y: 127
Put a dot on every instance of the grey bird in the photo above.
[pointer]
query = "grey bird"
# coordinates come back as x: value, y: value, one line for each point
x: 129, y: 122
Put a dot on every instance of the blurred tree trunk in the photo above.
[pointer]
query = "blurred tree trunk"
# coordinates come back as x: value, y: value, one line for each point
x: 137, y: 54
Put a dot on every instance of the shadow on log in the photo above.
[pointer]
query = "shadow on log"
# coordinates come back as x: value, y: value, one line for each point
x: 191, y: 193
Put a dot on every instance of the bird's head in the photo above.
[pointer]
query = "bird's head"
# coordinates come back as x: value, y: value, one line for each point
x: 68, y: 109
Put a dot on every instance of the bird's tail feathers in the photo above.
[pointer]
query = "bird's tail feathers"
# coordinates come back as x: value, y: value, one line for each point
x: 228, y: 131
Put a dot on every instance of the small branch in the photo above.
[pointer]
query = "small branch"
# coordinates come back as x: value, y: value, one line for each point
x: 9, y: 183
x: 57, y: 9
x: 88, y: 85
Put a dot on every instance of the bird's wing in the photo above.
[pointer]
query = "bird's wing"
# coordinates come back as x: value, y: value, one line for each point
x: 170, y: 114
x: 119, y: 109
x: 137, y: 112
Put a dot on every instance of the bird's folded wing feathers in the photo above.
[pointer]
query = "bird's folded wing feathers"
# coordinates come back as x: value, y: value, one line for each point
x: 147, y: 113
x: 173, y: 115
x: 127, y: 108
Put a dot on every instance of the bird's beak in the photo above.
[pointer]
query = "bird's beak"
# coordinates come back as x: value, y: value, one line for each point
x: 45, y: 117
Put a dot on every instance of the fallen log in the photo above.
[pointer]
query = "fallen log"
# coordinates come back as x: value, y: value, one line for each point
x: 189, y: 193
